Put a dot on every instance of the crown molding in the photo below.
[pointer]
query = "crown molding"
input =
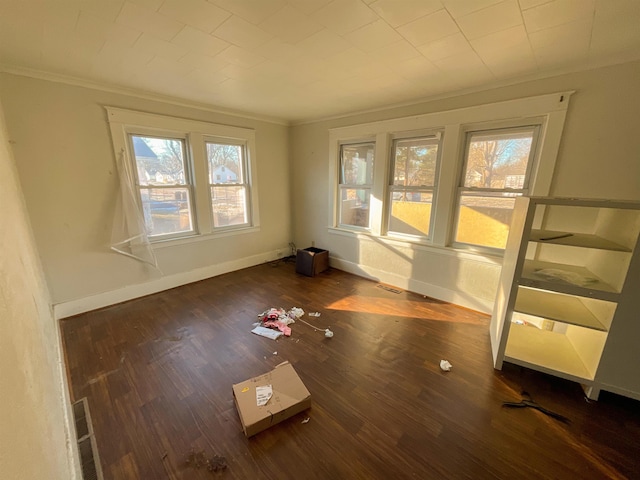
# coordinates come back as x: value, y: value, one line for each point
x: 156, y: 97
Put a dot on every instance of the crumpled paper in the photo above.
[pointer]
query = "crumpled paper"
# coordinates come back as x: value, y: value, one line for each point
x: 445, y: 365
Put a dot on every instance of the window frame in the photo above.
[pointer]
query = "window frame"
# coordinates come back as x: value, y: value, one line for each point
x: 345, y: 186
x: 246, y: 183
x: 536, y: 126
x: 549, y: 110
x: 123, y: 122
x: 188, y: 174
x: 437, y: 136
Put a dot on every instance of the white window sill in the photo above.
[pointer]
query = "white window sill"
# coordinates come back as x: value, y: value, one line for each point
x: 202, y: 237
x: 493, y: 258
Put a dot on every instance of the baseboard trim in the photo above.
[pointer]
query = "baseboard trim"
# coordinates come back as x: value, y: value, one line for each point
x: 112, y: 297
x: 416, y: 286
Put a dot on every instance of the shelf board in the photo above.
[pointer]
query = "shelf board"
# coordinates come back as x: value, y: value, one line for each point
x: 555, y: 306
x: 576, y: 240
x: 594, y: 289
x: 545, y: 351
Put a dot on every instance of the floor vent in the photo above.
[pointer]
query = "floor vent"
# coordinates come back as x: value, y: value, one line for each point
x: 388, y: 289
x: 89, y: 458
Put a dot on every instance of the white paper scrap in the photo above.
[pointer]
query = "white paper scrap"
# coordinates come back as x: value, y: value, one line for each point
x: 445, y: 366
x: 306, y: 420
x: 267, y: 332
x: 263, y: 394
x: 314, y: 314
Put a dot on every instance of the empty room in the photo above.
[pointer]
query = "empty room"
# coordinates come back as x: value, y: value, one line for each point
x: 319, y: 239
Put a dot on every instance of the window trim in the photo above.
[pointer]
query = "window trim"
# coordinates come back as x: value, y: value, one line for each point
x: 437, y: 136
x: 524, y: 125
x: 188, y: 167
x: 550, y: 108
x: 366, y: 186
x: 246, y: 184
x: 122, y: 122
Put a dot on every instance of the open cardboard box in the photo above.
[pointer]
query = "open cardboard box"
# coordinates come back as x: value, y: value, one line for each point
x: 290, y: 397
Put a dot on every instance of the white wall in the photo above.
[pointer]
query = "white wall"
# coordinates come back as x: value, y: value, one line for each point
x: 37, y: 439
x: 598, y: 158
x: 66, y: 165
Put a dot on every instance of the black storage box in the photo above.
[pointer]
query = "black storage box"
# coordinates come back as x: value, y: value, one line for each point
x: 312, y: 261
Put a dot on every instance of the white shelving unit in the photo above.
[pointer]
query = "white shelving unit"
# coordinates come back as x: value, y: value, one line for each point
x: 568, y: 301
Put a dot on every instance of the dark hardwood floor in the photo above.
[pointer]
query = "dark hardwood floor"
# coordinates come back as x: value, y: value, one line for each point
x: 157, y: 373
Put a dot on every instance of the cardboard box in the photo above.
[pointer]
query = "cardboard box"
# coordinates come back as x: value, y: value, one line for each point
x: 312, y: 261
x: 290, y: 397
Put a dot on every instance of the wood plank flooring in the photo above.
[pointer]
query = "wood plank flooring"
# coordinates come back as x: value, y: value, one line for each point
x: 157, y: 372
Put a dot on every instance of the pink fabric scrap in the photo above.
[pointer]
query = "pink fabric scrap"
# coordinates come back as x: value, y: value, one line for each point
x: 279, y: 325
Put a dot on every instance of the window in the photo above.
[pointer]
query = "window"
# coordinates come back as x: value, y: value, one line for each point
x: 497, y: 165
x: 228, y: 186
x: 356, y: 181
x: 444, y: 180
x: 414, y: 163
x: 164, y: 185
x: 192, y: 178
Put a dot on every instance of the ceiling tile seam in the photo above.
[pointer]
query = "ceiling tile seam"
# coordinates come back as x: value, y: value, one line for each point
x: 405, y: 23
x: 526, y: 31
x: 420, y: 54
x: 593, y: 22
x: 467, y: 39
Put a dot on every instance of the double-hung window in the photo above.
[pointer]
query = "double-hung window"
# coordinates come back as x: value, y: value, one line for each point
x: 192, y: 178
x: 228, y: 183
x: 444, y: 181
x: 414, y: 169
x: 497, y: 168
x: 355, y: 184
x: 164, y: 183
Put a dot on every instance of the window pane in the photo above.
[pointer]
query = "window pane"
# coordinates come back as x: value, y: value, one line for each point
x: 498, y: 160
x: 415, y: 162
x: 410, y: 212
x: 160, y: 161
x: 225, y: 163
x: 356, y: 164
x: 166, y: 210
x: 354, y: 207
x: 485, y: 220
x: 229, y: 206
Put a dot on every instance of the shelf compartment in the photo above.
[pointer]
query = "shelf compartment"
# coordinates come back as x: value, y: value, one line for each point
x: 597, y: 288
x: 545, y: 351
x: 555, y: 306
x: 575, y: 240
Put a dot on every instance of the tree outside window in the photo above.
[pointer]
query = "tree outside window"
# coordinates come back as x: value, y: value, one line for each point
x: 497, y: 167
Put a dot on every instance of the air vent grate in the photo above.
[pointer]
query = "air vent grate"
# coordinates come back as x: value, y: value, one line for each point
x: 87, y: 448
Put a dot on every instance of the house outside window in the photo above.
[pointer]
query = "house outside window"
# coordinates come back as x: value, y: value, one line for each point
x: 497, y: 166
x: 194, y: 179
x: 228, y: 186
x: 164, y: 185
x: 459, y: 202
x: 355, y: 183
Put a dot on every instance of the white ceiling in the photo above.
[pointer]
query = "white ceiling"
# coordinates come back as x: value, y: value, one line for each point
x: 302, y: 59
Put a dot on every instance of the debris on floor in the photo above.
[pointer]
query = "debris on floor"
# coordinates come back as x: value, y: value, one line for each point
x: 306, y: 420
x: 527, y: 401
x: 445, y: 365
x: 267, y: 332
x: 276, y: 322
x: 327, y: 333
x: 198, y: 460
